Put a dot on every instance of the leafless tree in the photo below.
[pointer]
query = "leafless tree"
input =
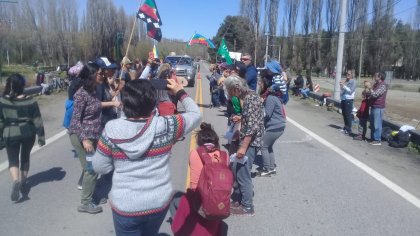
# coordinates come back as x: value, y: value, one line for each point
x: 250, y: 9
x: 292, y: 10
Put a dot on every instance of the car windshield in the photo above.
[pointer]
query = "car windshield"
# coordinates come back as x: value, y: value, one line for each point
x: 178, y: 60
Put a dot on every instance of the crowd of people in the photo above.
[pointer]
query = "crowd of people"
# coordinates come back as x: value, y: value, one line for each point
x: 371, y: 108
x: 122, y: 122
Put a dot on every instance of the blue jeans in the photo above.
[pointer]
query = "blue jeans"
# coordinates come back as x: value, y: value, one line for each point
x: 243, y: 190
x: 346, y: 110
x: 138, y: 225
x: 376, y: 115
x: 285, y: 97
x: 304, y: 92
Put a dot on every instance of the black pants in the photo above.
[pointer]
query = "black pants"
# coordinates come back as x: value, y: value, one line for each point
x: 24, y: 147
x: 346, y: 110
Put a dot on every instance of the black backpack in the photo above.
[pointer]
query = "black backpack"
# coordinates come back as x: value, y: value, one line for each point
x: 386, y: 133
x: 400, y: 140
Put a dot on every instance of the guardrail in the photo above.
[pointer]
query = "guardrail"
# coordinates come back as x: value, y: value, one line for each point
x: 415, y: 135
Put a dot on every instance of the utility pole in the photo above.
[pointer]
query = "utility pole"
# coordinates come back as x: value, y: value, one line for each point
x: 266, y: 47
x: 360, y: 61
x: 340, y: 49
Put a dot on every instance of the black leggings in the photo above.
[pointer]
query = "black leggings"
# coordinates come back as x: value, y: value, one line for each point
x: 24, y: 146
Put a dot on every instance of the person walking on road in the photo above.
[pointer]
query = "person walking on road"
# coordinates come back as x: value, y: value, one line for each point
x: 274, y: 123
x: 137, y: 148
x: 85, y: 129
x: 378, y: 99
x: 348, y: 89
x: 251, y: 71
x: 251, y: 134
x: 20, y: 121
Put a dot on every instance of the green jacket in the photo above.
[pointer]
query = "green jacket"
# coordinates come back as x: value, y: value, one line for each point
x: 20, y: 118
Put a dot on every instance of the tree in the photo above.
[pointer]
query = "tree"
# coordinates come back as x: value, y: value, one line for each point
x: 236, y: 31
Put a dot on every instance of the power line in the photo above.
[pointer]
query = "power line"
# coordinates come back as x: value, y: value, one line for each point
x: 387, y: 7
x: 366, y: 40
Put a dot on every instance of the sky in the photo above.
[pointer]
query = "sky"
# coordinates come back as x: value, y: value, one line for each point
x: 182, y: 18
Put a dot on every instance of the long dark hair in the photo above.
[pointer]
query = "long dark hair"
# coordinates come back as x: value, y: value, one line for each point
x: 266, y: 83
x: 15, y: 85
x: 206, y: 134
x: 88, y: 78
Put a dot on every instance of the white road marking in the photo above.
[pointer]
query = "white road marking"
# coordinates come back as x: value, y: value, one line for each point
x: 382, y: 179
x: 307, y: 138
x: 36, y: 148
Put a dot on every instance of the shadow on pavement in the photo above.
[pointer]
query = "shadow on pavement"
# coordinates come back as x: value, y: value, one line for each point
x: 204, y: 105
x: 335, y: 126
x: 53, y: 174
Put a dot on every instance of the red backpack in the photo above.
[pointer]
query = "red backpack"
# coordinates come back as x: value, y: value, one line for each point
x: 214, y: 186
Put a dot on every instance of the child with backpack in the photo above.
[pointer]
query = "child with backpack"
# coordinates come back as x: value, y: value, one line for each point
x: 363, y: 112
x: 201, y: 210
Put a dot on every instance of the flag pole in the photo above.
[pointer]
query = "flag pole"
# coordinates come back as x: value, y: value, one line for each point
x: 128, y: 45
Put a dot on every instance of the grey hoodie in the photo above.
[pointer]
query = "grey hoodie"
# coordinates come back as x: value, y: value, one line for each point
x: 139, y: 153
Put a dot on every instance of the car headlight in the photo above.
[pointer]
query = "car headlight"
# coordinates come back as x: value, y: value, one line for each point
x: 190, y: 71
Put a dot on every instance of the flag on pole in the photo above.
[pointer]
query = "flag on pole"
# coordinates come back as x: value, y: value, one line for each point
x: 199, y: 39
x: 148, y: 12
x: 155, y: 52
x: 224, y: 52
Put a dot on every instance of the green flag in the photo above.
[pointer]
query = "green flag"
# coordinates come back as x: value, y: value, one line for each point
x: 224, y: 52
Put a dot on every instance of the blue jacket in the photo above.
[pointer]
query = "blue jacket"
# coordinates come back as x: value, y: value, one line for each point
x: 68, y: 113
x: 251, y: 77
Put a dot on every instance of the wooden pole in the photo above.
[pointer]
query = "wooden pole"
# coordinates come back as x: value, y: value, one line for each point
x: 128, y: 45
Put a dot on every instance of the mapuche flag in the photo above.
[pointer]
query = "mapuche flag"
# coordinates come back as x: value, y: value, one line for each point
x: 224, y: 52
x: 148, y: 12
x: 199, y: 39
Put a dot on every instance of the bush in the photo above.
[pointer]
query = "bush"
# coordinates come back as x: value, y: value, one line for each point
x: 414, y: 148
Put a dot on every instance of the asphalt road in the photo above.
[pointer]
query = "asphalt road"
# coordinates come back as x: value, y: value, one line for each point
x: 319, y: 188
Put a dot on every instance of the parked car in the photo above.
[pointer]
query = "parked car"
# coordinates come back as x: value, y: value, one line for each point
x: 184, y: 67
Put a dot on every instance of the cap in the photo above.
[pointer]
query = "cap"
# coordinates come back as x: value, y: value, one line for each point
x: 273, y: 66
x: 126, y: 61
x: 75, y: 70
x: 103, y: 63
x: 225, y: 66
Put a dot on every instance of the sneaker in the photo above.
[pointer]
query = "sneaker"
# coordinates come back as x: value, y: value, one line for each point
x: 264, y: 173
x: 243, y: 211
x: 273, y: 172
x: 234, y: 205
x: 15, y: 191
x: 375, y: 143
x: 24, y: 188
x: 358, y: 138
x: 89, y: 208
x: 79, y: 187
x: 102, y: 201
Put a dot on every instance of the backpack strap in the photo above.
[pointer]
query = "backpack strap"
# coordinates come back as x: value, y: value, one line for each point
x: 204, y: 156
